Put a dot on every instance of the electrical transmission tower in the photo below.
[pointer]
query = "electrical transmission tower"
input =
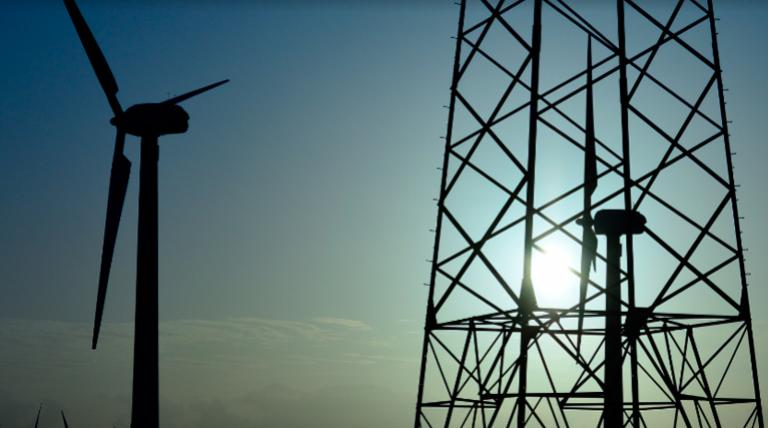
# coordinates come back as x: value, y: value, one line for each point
x: 588, y: 266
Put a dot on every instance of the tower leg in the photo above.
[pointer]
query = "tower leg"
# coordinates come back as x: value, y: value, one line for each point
x: 145, y: 405
x: 522, y: 390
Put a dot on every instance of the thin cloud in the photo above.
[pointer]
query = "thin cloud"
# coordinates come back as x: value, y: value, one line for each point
x: 343, y: 322
x: 200, y: 359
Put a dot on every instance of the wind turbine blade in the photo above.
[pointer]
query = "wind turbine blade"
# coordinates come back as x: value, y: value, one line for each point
x: 589, y: 249
x: 37, y: 419
x: 190, y: 94
x: 64, y: 418
x: 118, y: 184
x: 588, y: 237
x: 95, y: 56
x: 590, y: 158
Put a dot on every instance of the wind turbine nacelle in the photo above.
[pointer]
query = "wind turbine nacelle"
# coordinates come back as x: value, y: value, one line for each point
x: 619, y: 222
x: 153, y: 120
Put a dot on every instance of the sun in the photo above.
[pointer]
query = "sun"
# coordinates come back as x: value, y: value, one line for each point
x: 554, y: 282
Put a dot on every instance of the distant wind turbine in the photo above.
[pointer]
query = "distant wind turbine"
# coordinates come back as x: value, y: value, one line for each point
x: 149, y: 122
x: 37, y: 419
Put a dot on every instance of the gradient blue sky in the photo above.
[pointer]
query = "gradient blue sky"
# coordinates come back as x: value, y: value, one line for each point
x: 294, y: 214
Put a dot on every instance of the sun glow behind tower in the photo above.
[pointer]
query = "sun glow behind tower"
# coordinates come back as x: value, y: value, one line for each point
x: 554, y: 280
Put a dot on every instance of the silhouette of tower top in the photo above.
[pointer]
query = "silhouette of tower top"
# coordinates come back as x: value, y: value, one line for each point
x: 540, y: 313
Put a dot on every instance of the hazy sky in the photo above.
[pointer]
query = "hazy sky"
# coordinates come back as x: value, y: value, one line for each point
x: 294, y: 214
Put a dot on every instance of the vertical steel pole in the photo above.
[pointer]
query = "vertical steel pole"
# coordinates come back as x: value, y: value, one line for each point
x: 627, y: 177
x: 745, y: 309
x: 430, y: 321
x: 527, y: 295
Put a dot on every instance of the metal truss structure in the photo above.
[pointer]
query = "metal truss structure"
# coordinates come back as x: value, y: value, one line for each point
x: 558, y: 108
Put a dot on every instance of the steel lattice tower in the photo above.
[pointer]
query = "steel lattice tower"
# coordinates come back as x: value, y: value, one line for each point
x: 558, y: 109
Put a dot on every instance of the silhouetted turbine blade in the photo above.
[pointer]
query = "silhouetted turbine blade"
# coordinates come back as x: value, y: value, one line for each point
x: 37, y: 419
x: 95, y: 56
x: 589, y: 249
x: 588, y: 237
x: 118, y: 184
x: 190, y: 94
x: 64, y: 418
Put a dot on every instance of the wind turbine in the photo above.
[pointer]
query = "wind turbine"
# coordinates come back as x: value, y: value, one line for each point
x: 64, y: 418
x: 37, y: 419
x: 148, y: 121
